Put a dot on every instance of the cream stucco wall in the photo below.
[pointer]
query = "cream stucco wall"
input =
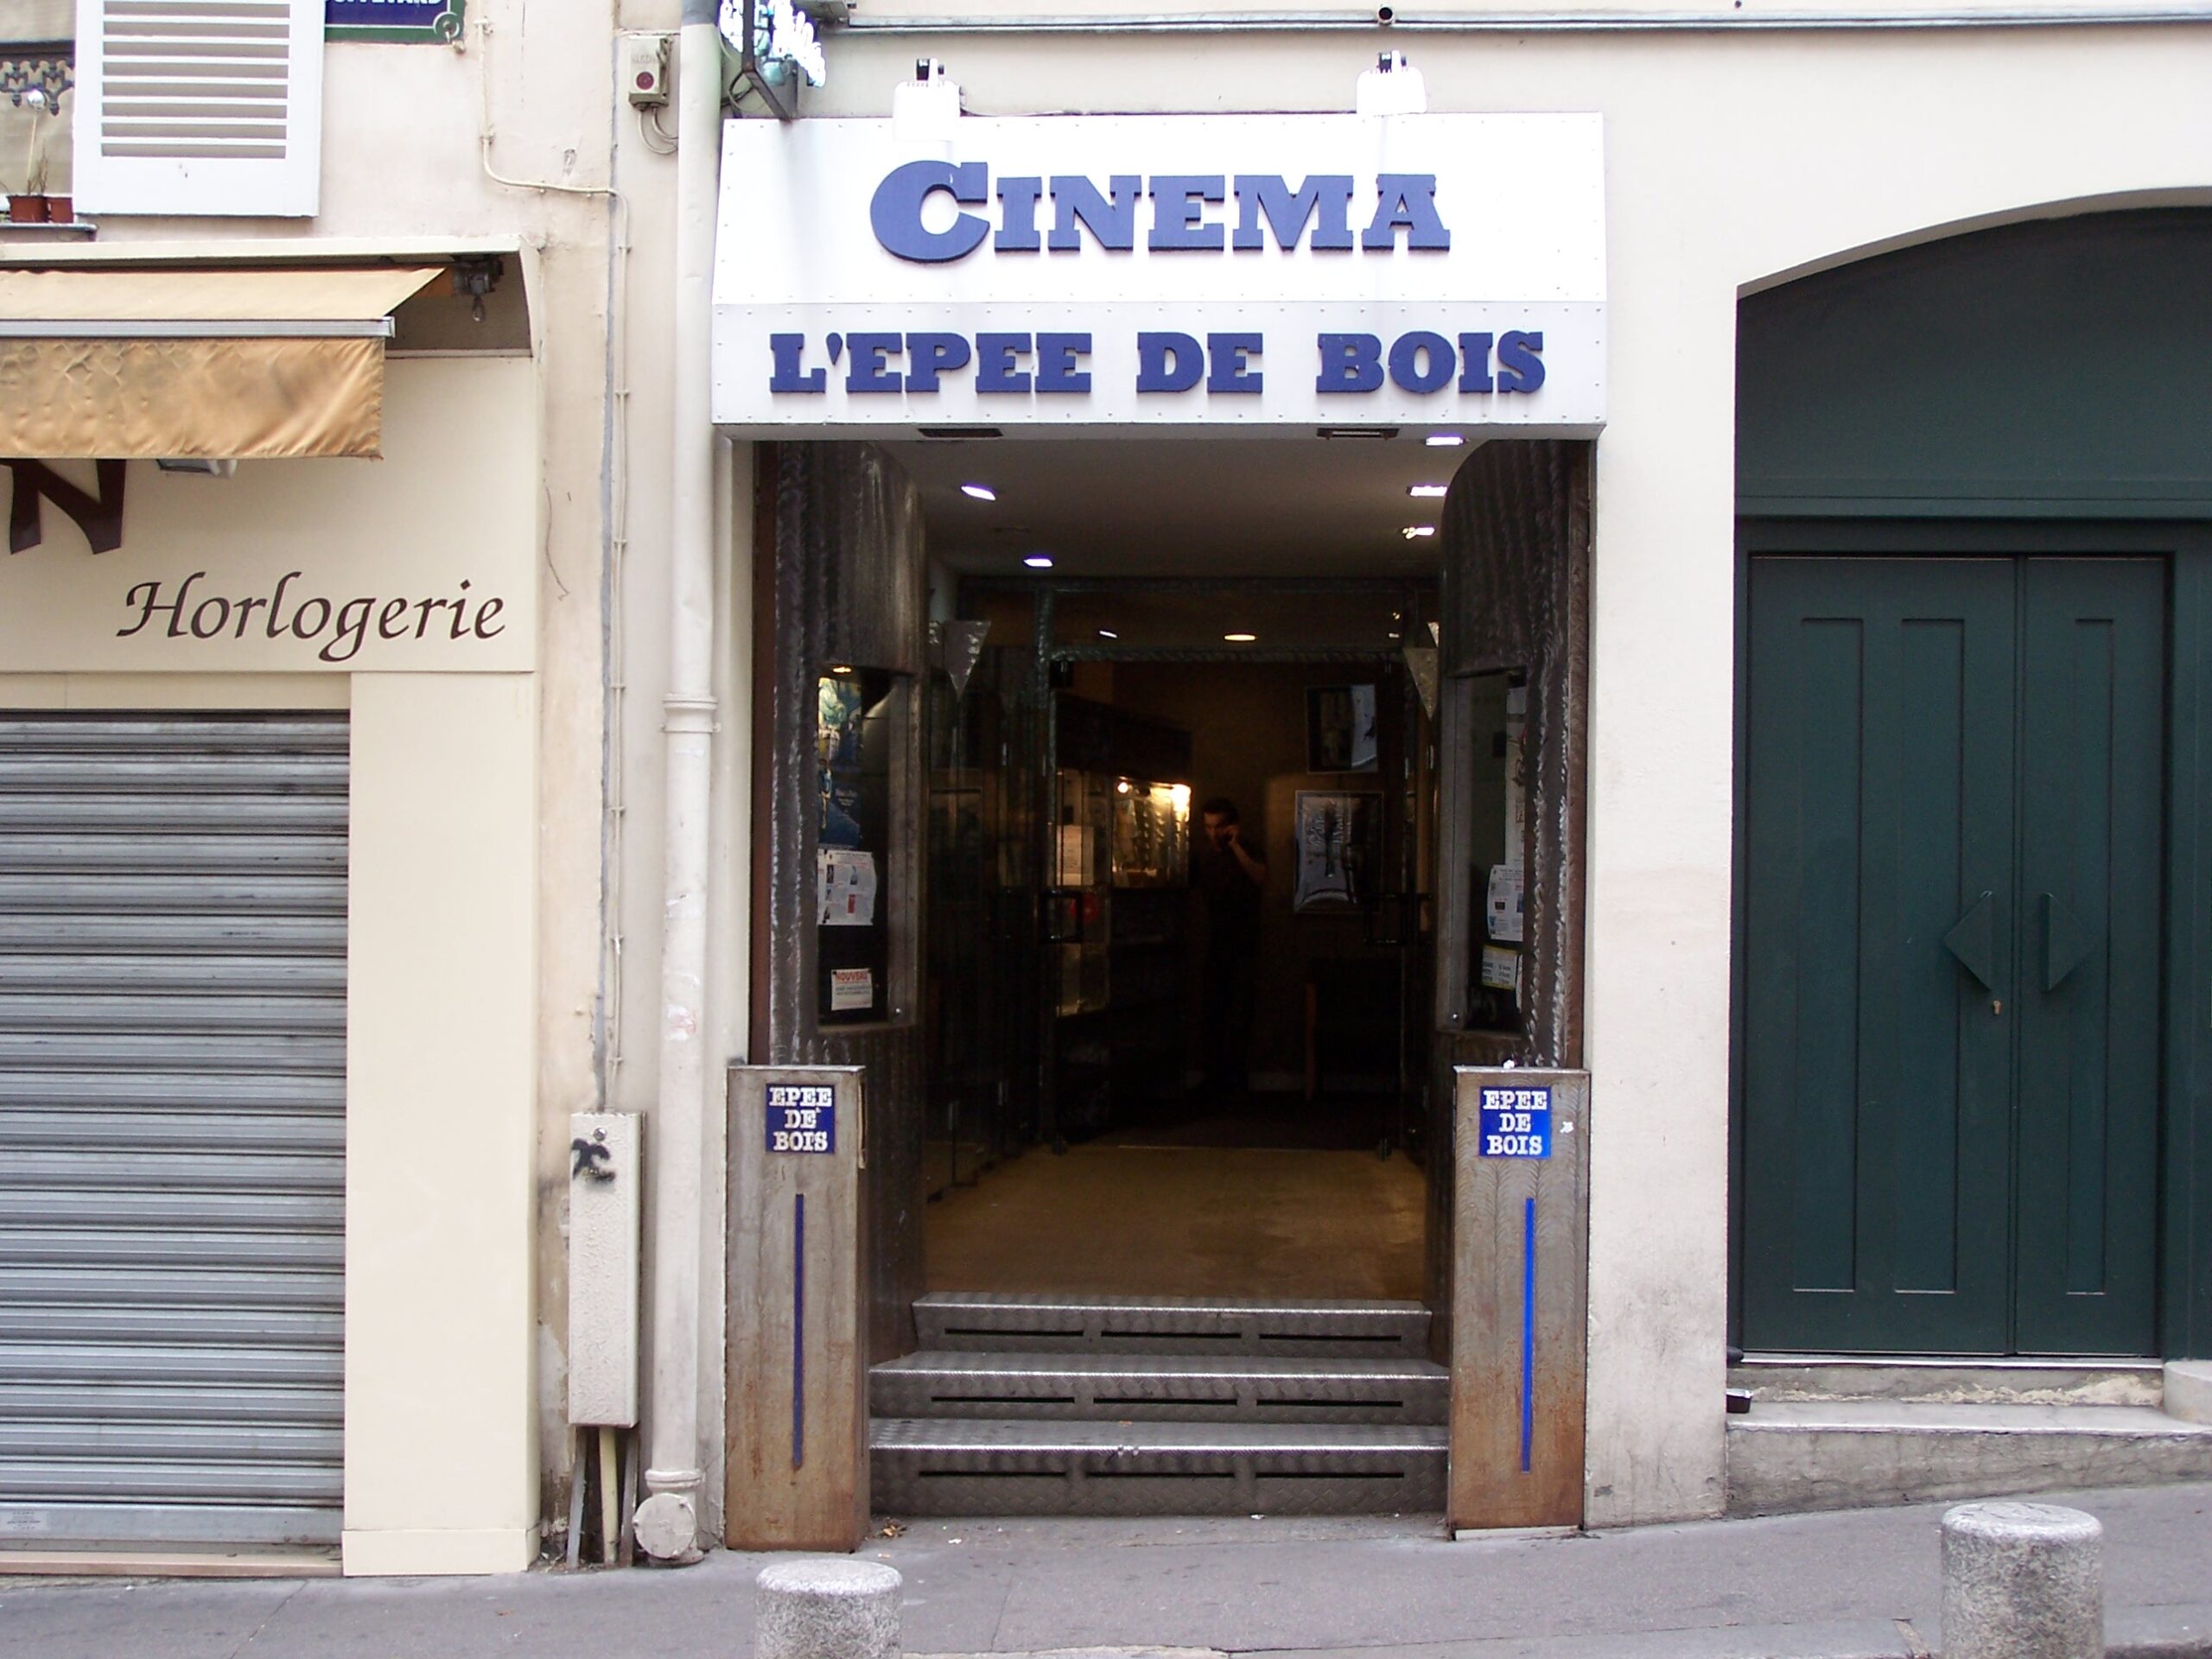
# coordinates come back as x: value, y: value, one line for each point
x: 441, y: 1453
x: 441, y: 1470
x: 1731, y: 157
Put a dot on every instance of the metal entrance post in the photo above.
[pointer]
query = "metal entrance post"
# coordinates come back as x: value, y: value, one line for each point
x: 797, y: 1358
x: 1520, y: 1296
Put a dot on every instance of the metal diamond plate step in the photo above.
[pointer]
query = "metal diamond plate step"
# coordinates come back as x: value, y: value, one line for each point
x: 970, y: 1322
x: 1002, y: 1467
x: 1157, y: 1387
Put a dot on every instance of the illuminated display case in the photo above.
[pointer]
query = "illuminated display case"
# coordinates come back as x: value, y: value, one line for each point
x: 1152, y: 834
x: 1121, y: 852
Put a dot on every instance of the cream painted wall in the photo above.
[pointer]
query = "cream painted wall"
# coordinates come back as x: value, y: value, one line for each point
x: 441, y: 1440
x: 1730, y: 158
x: 441, y: 1454
x: 454, y: 500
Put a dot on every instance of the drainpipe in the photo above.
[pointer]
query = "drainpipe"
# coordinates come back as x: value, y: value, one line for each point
x: 668, y: 1522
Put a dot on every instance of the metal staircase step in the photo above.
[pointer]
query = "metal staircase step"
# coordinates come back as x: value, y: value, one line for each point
x: 1003, y: 1466
x: 1209, y: 1388
x: 972, y: 1322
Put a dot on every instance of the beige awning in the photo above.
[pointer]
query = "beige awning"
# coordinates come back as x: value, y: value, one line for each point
x: 196, y: 363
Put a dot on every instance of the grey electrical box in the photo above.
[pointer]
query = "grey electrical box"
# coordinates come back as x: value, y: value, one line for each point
x: 606, y: 1185
x: 645, y: 70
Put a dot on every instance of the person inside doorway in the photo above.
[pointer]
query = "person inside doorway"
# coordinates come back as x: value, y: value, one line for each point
x: 1229, y: 879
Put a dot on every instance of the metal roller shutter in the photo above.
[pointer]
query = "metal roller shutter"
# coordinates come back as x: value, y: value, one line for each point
x: 172, y: 1129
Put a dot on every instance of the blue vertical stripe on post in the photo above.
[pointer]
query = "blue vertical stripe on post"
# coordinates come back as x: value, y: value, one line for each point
x: 799, y: 1337
x: 1528, y: 1327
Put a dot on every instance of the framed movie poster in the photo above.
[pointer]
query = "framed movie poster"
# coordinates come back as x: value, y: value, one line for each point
x: 1338, y: 836
x: 1341, y: 728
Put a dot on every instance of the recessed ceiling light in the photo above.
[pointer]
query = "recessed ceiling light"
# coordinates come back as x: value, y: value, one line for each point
x: 1444, y: 440
x: 1108, y: 633
x: 1415, y: 533
x: 1427, y: 491
x: 1240, y: 639
x: 1394, y: 634
x: 980, y: 492
x: 1039, y: 561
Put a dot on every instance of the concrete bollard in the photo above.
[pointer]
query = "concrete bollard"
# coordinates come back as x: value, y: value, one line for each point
x: 826, y: 1607
x: 2022, y: 1581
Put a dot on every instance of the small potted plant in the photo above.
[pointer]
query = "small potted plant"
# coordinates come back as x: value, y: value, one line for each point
x: 31, y: 207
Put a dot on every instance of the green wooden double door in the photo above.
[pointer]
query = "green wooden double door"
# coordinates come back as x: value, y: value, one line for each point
x: 1953, y: 808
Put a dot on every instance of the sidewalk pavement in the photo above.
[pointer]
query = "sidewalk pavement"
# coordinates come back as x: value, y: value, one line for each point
x: 1861, y: 1585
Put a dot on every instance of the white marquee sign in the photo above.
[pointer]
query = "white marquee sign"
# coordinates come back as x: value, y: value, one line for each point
x: 1214, y: 273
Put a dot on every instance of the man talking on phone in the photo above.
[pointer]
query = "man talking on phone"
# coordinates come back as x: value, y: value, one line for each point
x: 1229, y: 879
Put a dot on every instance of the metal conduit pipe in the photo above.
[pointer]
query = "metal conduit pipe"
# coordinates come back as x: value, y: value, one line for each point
x: 668, y: 1523
x: 1535, y: 22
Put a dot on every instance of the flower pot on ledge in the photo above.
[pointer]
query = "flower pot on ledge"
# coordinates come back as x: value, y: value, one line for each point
x: 27, y: 210
x: 60, y: 210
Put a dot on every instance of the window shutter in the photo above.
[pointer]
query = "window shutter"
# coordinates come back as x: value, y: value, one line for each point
x: 198, y: 107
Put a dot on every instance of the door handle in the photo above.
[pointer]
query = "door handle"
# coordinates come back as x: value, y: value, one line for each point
x: 1973, y: 940
x: 2066, y: 942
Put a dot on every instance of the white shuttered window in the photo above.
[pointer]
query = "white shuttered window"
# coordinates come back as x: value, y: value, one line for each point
x: 198, y: 107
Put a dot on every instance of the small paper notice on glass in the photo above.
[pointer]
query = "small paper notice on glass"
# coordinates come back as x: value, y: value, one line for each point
x: 1501, y: 969
x: 851, y: 989
x: 1502, y: 908
x: 848, y: 880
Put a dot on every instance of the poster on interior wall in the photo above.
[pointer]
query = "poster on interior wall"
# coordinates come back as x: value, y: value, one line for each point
x: 1502, y: 905
x: 839, y: 710
x: 1341, y: 728
x: 1338, y: 836
x: 848, y: 884
x: 1517, y: 755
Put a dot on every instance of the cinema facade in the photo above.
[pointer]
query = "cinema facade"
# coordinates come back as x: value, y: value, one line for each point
x: 1785, y: 710
x: 1826, y: 546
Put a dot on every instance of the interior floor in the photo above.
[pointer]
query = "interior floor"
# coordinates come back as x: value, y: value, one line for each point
x: 1150, y: 1218
x: 1277, y: 1121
